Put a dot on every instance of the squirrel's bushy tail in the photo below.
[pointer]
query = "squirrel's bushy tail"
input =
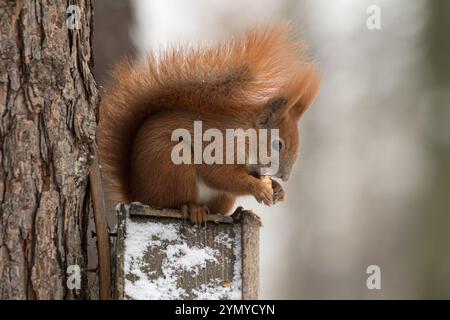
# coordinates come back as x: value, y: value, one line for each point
x: 234, y: 77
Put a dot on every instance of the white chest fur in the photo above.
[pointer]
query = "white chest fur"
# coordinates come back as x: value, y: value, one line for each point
x: 205, y: 193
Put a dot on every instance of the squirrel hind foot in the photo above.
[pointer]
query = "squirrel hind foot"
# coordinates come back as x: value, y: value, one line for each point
x: 197, y: 213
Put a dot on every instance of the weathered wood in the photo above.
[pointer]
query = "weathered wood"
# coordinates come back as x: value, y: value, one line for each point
x: 119, y: 246
x: 101, y: 227
x: 169, y: 265
x: 250, y: 257
x: 139, y: 210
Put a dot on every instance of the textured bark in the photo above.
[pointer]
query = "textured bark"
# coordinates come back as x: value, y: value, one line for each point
x: 48, y: 100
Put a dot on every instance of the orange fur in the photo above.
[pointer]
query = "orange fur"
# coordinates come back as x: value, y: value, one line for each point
x: 228, y: 85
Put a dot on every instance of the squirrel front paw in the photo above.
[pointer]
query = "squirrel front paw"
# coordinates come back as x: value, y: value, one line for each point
x: 195, y: 212
x: 278, y: 192
x: 262, y: 192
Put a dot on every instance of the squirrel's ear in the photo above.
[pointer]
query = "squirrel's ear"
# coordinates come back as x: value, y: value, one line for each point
x: 308, y: 96
x: 295, y: 98
x: 273, y: 112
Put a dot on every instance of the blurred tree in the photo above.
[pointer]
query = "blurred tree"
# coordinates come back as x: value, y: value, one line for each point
x: 112, y: 41
x: 436, y: 205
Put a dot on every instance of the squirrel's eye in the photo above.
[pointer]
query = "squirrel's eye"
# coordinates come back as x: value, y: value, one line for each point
x: 277, y: 144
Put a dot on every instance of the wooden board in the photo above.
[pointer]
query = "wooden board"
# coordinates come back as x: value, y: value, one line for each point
x: 162, y: 256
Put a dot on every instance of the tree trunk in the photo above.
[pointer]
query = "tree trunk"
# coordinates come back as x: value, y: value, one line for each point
x: 48, y: 100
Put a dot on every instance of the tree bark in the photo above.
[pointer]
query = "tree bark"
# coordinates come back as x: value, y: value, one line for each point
x: 48, y: 101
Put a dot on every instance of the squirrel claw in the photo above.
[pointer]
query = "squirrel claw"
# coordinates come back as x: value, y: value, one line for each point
x: 198, y: 214
x: 278, y: 192
x: 262, y: 193
x: 184, y: 211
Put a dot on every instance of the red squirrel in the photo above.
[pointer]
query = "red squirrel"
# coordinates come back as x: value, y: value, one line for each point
x: 263, y: 79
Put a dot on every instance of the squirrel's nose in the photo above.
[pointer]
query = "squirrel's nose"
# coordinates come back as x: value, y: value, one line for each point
x: 284, y: 177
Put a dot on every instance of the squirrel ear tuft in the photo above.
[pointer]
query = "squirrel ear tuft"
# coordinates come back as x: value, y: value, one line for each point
x: 294, y: 98
x: 273, y: 112
x: 309, y: 93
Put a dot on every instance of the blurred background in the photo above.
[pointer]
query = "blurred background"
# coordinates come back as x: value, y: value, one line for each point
x: 372, y: 185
